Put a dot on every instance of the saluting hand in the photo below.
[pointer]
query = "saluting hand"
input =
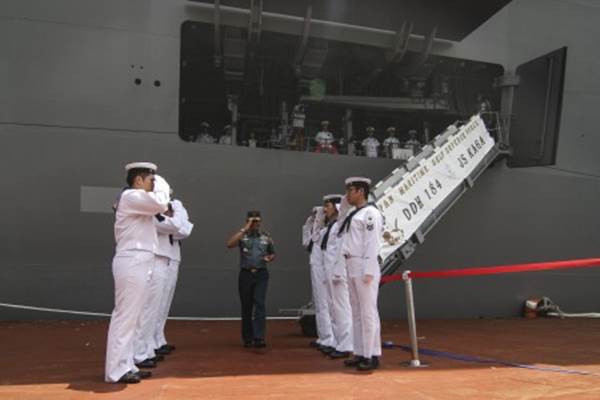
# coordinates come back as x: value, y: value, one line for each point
x: 248, y: 224
x: 368, y: 279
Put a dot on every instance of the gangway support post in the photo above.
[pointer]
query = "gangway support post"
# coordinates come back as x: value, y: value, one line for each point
x: 412, y: 323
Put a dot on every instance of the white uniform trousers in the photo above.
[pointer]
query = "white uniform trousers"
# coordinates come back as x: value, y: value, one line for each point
x: 144, y: 336
x: 322, y: 300
x: 132, y: 273
x: 341, y: 314
x: 366, y: 326
x: 165, y: 307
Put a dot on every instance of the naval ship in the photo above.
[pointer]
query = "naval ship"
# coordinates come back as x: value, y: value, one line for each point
x: 89, y: 86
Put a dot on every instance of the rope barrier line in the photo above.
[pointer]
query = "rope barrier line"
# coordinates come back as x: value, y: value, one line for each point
x: 96, y: 314
x: 54, y: 310
x: 481, y: 360
x: 502, y: 269
x: 407, y: 278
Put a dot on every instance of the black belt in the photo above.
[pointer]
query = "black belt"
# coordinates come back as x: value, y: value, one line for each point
x: 253, y: 270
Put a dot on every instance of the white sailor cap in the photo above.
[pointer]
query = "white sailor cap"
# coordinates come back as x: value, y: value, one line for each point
x: 357, y: 179
x: 333, y: 198
x: 205, y: 124
x: 370, y: 129
x: 142, y: 165
x: 325, y: 122
x: 226, y: 127
x: 391, y: 129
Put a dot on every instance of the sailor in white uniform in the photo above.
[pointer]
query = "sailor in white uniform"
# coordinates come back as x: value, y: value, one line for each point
x: 370, y: 144
x: 172, y: 227
x: 144, y: 355
x: 325, y: 140
x: 298, y: 117
x: 226, y: 136
x: 362, y: 231
x: 337, y: 282
x: 132, y: 266
x: 391, y: 142
x: 308, y: 244
x: 324, y: 137
x: 325, y: 341
x: 205, y: 136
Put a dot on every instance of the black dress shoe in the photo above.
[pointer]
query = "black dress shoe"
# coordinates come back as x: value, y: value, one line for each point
x: 314, y: 343
x: 259, y: 343
x: 168, y: 347
x: 144, y: 374
x: 339, y: 354
x: 162, y: 352
x: 129, y: 377
x: 353, y: 362
x: 147, y: 363
x: 320, y: 347
x: 327, y: 350
x: 368, y: 364
x: 247, y: 344
x: 157, y: 358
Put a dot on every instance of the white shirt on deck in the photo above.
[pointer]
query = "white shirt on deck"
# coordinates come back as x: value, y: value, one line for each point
x: 392, y: 142
x: 225, y: 139
x: 298, y: 120
x: 370, y: 144
x: 324, y: 137
x: 362, y: 241
x: 177, y: 227
x: 134, y: 219
x: 205, y: 138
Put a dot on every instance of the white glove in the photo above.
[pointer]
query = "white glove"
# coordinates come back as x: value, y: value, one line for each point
x: 320, y: 217
x: 162, y: 188
x: 310, y: 221
x: 344, y: 208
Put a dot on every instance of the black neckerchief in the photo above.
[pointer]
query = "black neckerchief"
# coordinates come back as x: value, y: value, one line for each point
x: 310, y: 246
x: 346, y: 225
x: 326, y: 236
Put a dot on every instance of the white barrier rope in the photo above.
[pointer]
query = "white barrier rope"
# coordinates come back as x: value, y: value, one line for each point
x: 95, y: 314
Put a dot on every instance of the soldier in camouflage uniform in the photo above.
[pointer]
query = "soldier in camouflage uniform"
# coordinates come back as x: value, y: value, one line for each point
x: 256, y: 251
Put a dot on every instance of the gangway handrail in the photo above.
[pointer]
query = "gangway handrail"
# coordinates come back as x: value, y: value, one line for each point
x: 392, y: 262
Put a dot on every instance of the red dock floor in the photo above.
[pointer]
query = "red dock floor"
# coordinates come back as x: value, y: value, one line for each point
x: 64, y: 360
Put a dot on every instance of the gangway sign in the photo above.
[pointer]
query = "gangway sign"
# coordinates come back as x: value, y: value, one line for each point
x: 412, y: 195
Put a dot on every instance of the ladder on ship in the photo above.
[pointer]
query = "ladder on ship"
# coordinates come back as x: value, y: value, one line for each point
x: 393, y: 261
